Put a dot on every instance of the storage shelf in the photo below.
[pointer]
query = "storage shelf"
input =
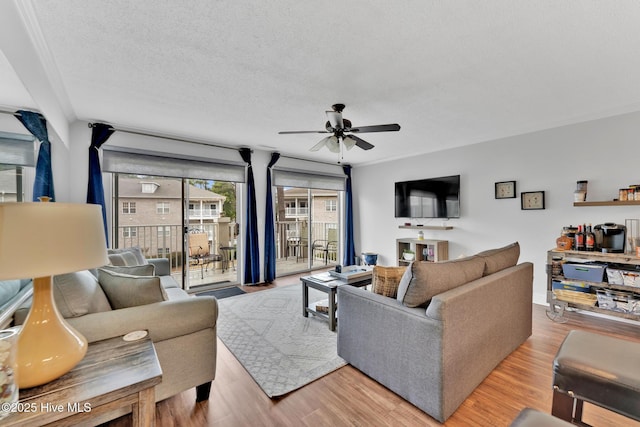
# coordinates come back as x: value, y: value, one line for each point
x: 629, y: 316
x: 582, y: 256
x: 602, y: 285
x: 427, y: 227
x: 439, y: 249
x: 608, y: 203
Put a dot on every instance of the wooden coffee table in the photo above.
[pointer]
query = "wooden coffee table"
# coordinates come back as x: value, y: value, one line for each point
x: 114, y: 374
x: 331, y: 289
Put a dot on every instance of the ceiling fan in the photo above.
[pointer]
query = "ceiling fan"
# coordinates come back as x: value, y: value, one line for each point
x: 343, y: 132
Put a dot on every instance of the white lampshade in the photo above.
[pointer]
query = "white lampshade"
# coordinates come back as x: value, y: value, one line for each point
x: 45, y: 239
x: 333, y: 145
x: 320, y: 144
x: 348, y: 142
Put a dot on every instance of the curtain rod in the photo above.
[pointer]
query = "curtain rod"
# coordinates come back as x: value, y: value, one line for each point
x: 155, y: 135
x: 13, y: 113
x: 313, y: 161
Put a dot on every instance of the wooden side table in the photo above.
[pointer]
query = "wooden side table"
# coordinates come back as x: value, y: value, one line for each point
x: 114, y: 374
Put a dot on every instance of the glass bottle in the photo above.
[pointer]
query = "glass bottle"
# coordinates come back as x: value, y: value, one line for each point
x: 589, y: 239
x: 579, y: 239
x: 564, y: 242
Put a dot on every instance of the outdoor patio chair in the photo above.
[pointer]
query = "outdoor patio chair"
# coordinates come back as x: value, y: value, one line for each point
x: 200, y: 252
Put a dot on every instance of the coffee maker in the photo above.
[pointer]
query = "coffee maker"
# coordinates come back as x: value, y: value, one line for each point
x: 610, y: 237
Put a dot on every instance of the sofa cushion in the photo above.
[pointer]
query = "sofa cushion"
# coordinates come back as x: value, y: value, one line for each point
x: 501, y: 258
x: 78, y: 293
x: 125, y: 290
x: 131, y: 256
x: 424, y: 280
x: 385, y: 280
x: 8, y: 290
x: 123, y: 259
x: 134, y: 270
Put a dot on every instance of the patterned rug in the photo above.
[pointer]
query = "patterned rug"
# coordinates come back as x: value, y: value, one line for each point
x: 281, y: 349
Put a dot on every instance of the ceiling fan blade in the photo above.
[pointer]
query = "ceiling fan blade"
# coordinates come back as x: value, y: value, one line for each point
x: 377, y: 128
x: 362, y: 143
x: 289, y: 132
x: 335, y: 118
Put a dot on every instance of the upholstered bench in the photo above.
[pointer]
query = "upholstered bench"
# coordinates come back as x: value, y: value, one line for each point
x: 598, y: 369
x: 532, y: 418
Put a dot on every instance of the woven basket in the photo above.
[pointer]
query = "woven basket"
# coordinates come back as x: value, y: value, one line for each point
x: 385, y: 280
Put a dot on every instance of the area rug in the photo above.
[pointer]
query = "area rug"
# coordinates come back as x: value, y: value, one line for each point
x: 281, y: 349
x: 223, y: 293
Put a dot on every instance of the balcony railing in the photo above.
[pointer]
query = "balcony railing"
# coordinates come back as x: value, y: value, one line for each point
x: 296, y: 212
x: 203, y: 213
x: 290, y: 231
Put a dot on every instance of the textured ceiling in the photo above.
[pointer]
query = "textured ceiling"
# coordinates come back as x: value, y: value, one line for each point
x: 236, y: 72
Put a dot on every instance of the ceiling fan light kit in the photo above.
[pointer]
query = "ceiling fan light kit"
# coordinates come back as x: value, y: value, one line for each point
x: 339, y: 126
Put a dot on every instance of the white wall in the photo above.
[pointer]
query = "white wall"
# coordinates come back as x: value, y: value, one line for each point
x: 604, y: 152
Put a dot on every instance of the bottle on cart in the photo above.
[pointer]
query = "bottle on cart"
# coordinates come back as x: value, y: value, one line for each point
x: 589, y: 239
x: 579, y: 239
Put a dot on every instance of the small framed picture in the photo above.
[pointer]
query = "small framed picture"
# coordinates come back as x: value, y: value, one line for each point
x: 531, y: 200
x: 506, y: 190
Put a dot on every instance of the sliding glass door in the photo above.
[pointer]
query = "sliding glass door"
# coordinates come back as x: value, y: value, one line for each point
x: 307, y: 229
x: 190, y: 222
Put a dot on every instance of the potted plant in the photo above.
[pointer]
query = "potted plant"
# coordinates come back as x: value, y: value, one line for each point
x: 408, y: 255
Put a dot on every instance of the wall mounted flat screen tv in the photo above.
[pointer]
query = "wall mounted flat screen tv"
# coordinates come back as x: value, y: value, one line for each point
x: 428, y: 198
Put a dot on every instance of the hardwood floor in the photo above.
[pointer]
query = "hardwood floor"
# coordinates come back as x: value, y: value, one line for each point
x: 346, y: 397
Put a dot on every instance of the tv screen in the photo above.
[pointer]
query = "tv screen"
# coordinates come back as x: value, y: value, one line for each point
x: 428, y: 198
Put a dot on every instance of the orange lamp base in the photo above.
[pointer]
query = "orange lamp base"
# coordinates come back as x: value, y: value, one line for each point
x: 47, y: 346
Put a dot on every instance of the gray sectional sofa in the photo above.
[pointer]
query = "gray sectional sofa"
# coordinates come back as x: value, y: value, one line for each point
x: 137, y: 295
x: 451, y: 324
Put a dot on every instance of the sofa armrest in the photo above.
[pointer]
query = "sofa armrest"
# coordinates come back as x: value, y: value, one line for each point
x: 163, y: 320
x: 398, y: 346
x: 163, y: 267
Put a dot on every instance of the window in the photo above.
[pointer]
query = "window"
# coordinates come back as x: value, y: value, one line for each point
x: 129, y: 231
x: 164, y: 252
x: 17, y: 159
x: 128, y: 207
x: 162, y: 208
x: 331, y: 205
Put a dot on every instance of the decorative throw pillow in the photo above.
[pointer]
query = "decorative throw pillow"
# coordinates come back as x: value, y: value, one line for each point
x: 125, y: 290
x: 134, y: 270
x: 428, y: 279
x: 501, y: 258
x: 79, y: 293
x: 385, y: 280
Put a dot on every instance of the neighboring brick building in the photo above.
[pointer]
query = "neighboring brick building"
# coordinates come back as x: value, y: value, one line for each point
x: 150, y: 214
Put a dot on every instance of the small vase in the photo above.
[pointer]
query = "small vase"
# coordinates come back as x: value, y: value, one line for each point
x: 8, y: 384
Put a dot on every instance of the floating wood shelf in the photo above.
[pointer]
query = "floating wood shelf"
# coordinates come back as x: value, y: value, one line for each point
x: 427, y: 227
x: 609, y: 203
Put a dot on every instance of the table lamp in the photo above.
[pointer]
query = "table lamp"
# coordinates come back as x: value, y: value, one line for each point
x: 40, y: 240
